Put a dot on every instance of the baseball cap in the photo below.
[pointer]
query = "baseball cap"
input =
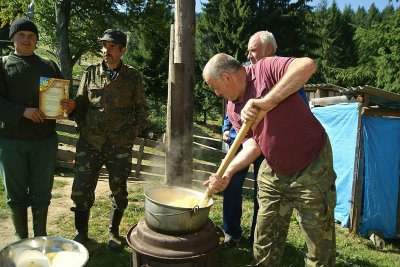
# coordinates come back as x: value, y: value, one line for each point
x: 114, y: 36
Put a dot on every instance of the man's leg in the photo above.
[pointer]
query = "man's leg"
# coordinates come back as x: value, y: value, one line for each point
x: 232, y: 207
x: 16, y: 181
x: 88, y: 163
x: 43, y: 156
x: 119, y: 165
x: 273, y: 218
x: 315, y: 199
x: 256, y: 166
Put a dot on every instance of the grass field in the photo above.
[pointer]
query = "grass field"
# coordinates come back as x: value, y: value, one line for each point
x: 350, y: 251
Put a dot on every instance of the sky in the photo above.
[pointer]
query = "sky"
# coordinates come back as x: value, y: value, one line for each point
x: 380, y: 4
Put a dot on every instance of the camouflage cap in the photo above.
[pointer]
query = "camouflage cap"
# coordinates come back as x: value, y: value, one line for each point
x: 114, y: 36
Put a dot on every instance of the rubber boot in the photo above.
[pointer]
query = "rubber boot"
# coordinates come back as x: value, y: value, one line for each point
x: 20, y: 221
x: 39, y: 218
x: 115, y: 241
x: 81, y: 225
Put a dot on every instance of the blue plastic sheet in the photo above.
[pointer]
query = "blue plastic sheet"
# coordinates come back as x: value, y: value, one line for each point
x: 381, y: 174
x: 340, y: 123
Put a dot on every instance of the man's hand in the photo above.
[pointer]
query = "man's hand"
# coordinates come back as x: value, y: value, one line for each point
x: 68, y: 105
x: 34, y: 114
x: 225, y: 136
x: 251, y: 112
x: 217, y: 183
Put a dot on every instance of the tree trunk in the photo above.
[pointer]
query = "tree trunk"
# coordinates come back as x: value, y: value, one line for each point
x: 63, y: 15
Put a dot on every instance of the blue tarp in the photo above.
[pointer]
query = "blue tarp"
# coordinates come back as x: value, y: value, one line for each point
x: 340, y: 123
x: 381, y: 174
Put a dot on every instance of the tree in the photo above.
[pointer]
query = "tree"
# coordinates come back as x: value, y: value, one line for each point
x: 78, y: 24
x: 148, y: 48
x: 279, y: 17
x: 223, y: 26
x: 379, y: 47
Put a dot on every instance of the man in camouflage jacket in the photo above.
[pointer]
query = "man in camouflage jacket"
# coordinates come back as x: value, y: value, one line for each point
x: 110, y: 111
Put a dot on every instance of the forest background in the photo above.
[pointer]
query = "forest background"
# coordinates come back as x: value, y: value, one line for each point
x: 352, y: 47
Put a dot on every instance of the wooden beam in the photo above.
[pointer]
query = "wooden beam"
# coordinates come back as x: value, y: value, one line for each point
x: 184, y: 43
x: 380, y: 112
x: 139, y: 158
x: 356, y: 196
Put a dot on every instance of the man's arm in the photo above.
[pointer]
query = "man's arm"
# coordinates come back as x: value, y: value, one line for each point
x: 250, y: 152
x: 298, y: 73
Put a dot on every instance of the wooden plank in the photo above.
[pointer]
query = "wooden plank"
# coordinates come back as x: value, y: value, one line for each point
x: 64, y: 164
x: 213, y: 143
x: 65, y: 155
x: 380, y: 112
x: 154, y: 158
x: 152, y: 169
x: 204, y: 167
x: 139, y: 158
x: 356, y: 195
x: 69, y: 140
x: 199, y: 153
x: 151, y: 143
x: 68, y: 126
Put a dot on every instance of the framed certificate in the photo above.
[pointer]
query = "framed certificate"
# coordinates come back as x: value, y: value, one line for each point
x: 52, y: 90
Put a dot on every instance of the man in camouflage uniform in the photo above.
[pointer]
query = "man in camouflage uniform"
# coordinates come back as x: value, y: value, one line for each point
x: 110, y: 112
x: 298, y: 170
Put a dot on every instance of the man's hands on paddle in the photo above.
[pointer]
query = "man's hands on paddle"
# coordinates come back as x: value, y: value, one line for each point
x: 252, y: 112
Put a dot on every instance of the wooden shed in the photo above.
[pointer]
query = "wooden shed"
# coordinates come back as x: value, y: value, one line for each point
x: 368, y: 197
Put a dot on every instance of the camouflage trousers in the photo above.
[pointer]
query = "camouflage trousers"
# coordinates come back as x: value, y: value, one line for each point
x: 88, y: 163
x: 312, y: 193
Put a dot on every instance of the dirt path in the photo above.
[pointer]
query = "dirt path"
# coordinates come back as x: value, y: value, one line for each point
x: 60, y: 204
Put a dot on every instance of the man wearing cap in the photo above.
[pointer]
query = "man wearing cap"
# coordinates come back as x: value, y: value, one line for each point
x: 110, y: 113
x: 28, y: 141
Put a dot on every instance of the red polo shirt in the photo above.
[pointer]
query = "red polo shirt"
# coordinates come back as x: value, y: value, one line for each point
x: 289, y: 136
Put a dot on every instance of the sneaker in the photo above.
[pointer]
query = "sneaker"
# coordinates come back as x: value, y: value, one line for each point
x: 231, y: 241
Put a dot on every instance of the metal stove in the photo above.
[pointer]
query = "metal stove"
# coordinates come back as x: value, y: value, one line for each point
x: 157, y: 249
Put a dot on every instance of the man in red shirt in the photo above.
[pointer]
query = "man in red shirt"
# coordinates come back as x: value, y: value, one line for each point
x: 298, y: 171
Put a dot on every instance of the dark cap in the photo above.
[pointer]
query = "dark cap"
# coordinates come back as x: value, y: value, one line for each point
x: 114, y: 36
x: 23, y: 24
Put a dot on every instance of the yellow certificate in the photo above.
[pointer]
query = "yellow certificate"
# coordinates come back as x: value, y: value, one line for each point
x: 52, y: 91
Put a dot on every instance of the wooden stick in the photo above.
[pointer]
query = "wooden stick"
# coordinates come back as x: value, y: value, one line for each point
x: 227, y: 159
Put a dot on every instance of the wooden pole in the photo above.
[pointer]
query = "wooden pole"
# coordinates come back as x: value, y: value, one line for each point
x: 358, y: 177
x: 184, y: 52
x: 174, y: 172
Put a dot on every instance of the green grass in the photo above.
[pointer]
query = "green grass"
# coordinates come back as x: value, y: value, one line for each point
x: 350, y: 251
x: 4, y: 211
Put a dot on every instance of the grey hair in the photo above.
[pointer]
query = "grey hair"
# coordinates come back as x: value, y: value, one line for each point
x: 265, y: 38
x: 218, y: 64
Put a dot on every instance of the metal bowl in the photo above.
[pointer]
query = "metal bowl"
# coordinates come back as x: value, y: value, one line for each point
x: 16, y: 254
x: 162, y: 216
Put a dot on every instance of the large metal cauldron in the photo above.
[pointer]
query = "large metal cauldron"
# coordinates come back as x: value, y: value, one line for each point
x: 44, y: 251
x: 162, y: 215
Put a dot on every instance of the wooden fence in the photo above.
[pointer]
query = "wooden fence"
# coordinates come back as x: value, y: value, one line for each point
x: 149, y: 155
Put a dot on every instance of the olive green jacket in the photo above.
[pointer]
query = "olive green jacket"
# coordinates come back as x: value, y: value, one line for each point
x: 113, y: 109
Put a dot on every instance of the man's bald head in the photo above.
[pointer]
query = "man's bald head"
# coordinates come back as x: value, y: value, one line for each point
x: 218, y: 64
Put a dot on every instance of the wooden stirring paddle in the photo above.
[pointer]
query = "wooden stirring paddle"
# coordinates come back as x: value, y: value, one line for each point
x: 227, y: 159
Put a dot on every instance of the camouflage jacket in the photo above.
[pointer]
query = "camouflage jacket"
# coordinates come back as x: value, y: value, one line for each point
x: 112, y: 109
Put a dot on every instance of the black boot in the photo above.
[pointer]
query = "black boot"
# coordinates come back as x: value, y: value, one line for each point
x: 115, y: 241
x: 20, y: 221
x: 81, y: 225
x: 39, y: 218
